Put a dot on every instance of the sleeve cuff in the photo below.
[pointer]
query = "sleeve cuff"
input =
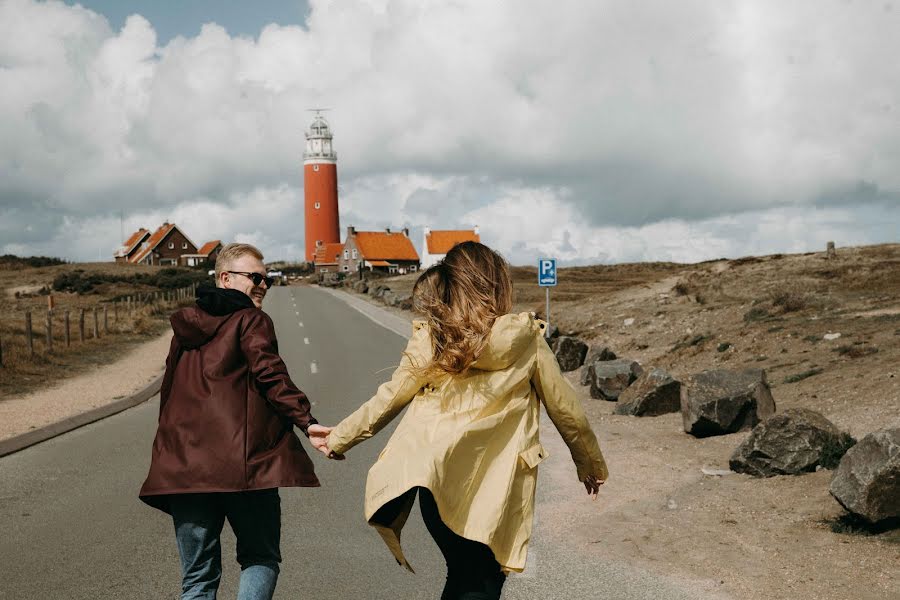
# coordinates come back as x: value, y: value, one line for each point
x: 303, y: 428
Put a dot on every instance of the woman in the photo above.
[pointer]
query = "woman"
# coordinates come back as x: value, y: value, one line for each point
x: 473, y: 377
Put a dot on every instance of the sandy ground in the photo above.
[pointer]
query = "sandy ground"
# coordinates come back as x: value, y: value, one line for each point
x: 100, y: 386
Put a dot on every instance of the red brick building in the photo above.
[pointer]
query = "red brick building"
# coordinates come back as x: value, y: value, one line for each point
x: 168, y: 245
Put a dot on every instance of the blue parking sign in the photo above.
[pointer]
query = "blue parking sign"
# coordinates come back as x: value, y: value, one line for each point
x: 547, y: 272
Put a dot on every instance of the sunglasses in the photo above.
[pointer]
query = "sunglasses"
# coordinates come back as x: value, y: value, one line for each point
x: 256, y: 278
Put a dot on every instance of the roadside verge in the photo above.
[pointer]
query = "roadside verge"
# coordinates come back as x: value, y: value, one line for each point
x: 42, y: 434
x: 390, y: 321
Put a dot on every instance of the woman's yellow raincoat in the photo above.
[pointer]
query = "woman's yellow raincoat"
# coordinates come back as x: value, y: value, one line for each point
x: 473, y: 440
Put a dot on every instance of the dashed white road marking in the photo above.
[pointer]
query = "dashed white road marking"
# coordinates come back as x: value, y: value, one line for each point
x: 313, y: 367
x: 306, y: 341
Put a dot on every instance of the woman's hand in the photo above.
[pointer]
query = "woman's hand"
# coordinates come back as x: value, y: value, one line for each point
x: 318, y: 437
x: 592, y: 484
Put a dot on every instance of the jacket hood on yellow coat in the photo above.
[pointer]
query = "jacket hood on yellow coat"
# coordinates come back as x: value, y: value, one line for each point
x: 472, y: 439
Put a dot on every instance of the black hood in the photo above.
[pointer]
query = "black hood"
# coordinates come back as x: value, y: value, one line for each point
x: 196, y: 325
x: 220, y: 302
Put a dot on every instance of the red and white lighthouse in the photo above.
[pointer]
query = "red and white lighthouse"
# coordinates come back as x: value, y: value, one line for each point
x: 320, y: 189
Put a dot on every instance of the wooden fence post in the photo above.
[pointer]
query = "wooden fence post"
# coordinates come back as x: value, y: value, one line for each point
x: 1, y: 352
x: 68, y: 337
x: 29, y: 336
x: 116, y: 312
x: 105, y: 319
x: 49, y: 331
x: 81, y: 326
x: 96, y: 323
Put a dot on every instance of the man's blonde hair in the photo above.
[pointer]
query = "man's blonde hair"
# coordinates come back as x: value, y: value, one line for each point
x: 232, y: 252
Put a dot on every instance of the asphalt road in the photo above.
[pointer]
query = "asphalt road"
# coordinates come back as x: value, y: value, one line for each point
x: 73, y: 528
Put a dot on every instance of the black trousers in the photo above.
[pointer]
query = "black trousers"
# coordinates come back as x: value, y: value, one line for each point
x: 472, y: 571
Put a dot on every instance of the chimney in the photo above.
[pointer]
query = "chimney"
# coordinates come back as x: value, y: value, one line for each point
x: 387, y: 229
x: 427, y: 231
x: 475, y: 229
x: 351, y: 231
x: 406, y: 231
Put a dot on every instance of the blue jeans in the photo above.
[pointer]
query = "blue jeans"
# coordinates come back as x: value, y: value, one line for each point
x: 255, y: 518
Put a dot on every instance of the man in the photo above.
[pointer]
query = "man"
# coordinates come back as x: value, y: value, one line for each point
x: 225, y: 441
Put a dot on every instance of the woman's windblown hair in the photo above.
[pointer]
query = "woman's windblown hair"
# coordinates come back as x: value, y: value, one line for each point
x: 460, y: 297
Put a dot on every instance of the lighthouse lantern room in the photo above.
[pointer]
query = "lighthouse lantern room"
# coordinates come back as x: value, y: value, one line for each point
x: 320, y: 187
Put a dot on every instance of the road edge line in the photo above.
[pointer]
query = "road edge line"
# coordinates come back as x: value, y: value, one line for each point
x: 42, y: 434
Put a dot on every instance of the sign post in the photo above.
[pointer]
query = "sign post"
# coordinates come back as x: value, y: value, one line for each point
x: 547, y: 279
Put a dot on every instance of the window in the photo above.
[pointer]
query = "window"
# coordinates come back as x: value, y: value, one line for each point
x: 184, y: 245
x: 318, y: 243
x: 318, y: 206
x: 355, y: 253
x: 346, y: 254
x: 171, y: 245
x: 316, y: 168
x: 412, y: 268
x: 345, y: 268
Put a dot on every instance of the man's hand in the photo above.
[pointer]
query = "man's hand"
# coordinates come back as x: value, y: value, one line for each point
x: 318, y: 437
x: 592, y: 485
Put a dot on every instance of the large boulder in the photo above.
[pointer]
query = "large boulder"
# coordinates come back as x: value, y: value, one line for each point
x: 608, y: 379
x: 793, y: 442
x: 653, y: 393
x: 595, y: 354
x: 719, y: 401
x: 361, y: 286
x: 867, y: 482
x: 570, y: 352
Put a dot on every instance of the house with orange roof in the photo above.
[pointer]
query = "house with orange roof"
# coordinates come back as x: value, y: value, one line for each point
x: 437, y: 243
x: 206, y: 255
x: 165, y: 246
x: 327, y: 258
x: 383, y: 251
x: 131, y: 246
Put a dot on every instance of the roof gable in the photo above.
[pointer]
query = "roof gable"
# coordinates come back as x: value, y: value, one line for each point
x: 208, y: 247
x: 131, y: 243
x: 440, y: 242
x: 328, y: 254
x: 386, y: 246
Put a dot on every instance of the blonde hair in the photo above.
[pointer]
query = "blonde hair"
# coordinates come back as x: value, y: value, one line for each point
x: 232, y: 252
x: 460, y: 298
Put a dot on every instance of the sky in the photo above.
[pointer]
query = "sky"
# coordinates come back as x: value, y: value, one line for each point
x: 593, y: 132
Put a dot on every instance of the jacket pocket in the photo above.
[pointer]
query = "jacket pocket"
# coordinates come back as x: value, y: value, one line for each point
x: 533, y: 456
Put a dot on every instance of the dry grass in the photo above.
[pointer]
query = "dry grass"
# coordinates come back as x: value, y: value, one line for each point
x: 23, y: 371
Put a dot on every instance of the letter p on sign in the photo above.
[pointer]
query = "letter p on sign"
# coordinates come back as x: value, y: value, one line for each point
x: 547, y: 272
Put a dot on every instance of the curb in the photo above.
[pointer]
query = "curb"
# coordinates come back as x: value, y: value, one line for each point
x: 42, y: 434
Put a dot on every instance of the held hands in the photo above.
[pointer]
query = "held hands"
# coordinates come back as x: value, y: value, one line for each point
x: 592, y: 484
x: 318, y: 437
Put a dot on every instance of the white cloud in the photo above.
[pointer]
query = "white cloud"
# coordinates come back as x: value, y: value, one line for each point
x: 638, y: 127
